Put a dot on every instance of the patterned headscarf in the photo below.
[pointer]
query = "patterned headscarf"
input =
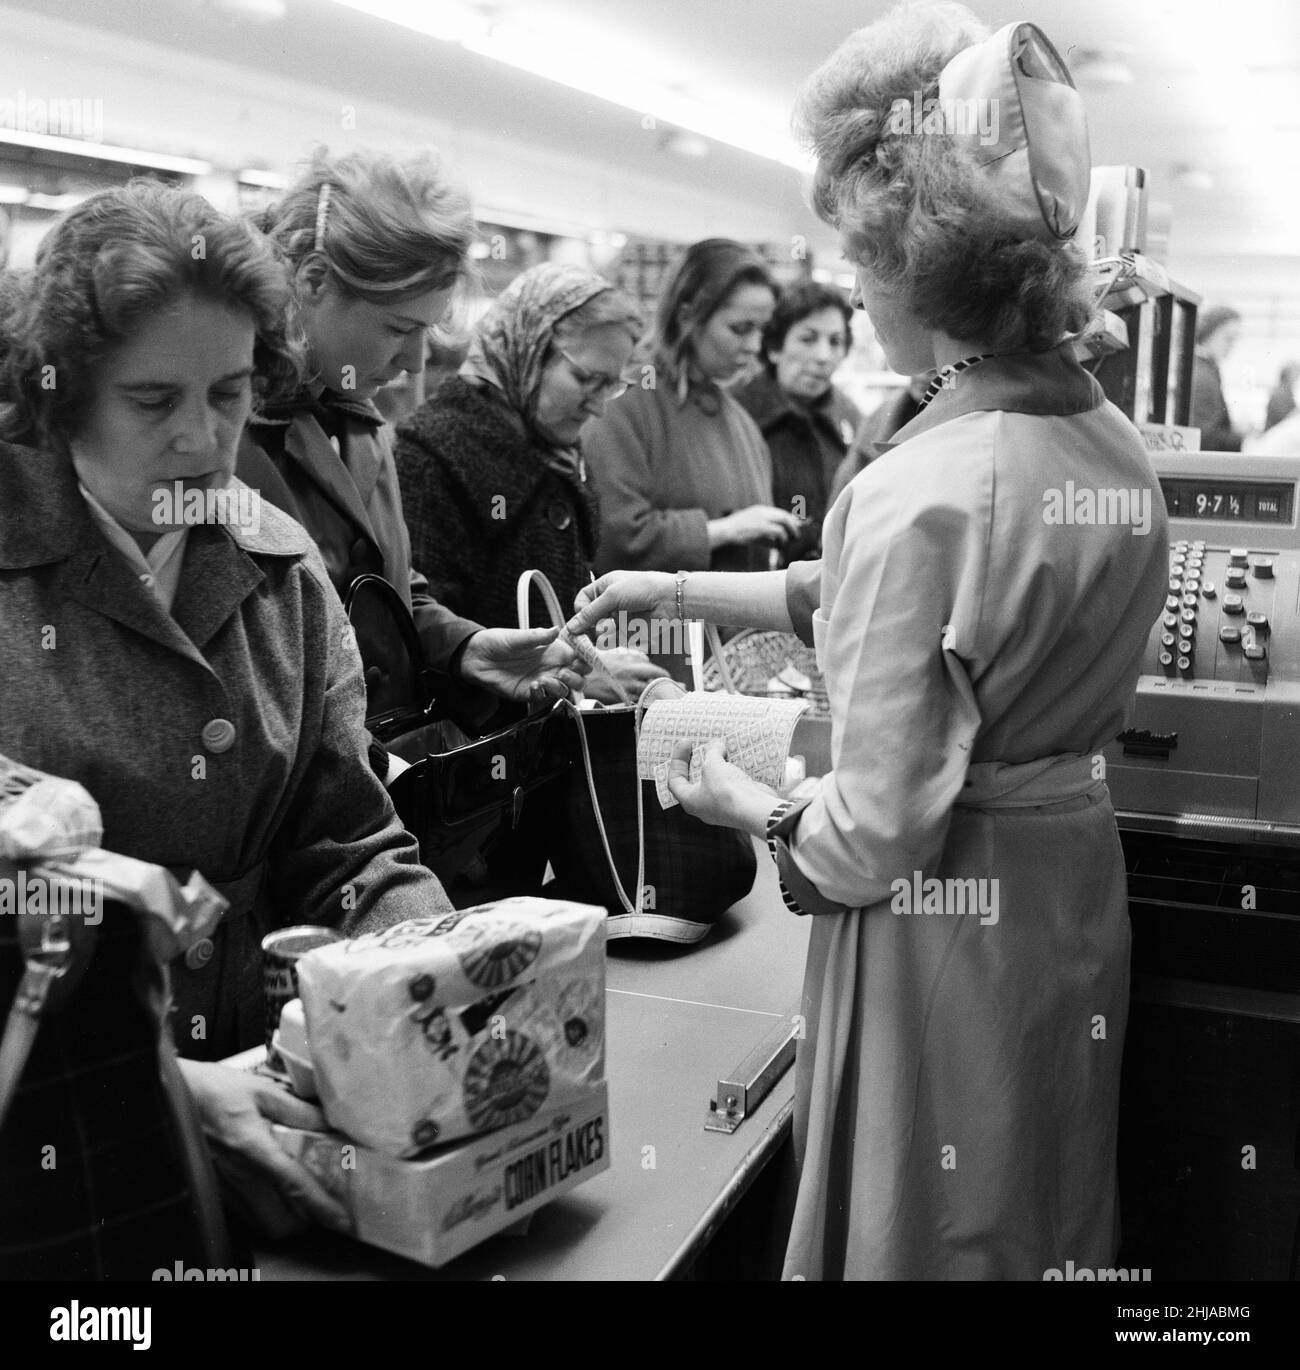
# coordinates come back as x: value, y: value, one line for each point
x: 512, y: 339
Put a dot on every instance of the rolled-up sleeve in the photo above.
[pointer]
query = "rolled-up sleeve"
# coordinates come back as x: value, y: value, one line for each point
x: 803, y: 595
x: 908, y: 569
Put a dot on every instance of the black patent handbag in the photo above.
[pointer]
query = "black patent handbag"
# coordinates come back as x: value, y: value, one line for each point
x: 474, y: 804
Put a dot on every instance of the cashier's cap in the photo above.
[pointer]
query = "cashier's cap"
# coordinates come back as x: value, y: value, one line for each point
x: 1033, y: 142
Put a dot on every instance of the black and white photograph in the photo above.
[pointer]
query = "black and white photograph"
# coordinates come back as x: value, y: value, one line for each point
x: 650, y: 641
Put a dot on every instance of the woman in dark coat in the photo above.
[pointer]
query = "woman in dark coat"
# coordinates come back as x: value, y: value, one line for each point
x: 807, y: 421
x: 493, y: 481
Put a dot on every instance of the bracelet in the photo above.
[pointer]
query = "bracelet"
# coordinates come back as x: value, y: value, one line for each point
x: 774, y: 820
x: 681, y: 595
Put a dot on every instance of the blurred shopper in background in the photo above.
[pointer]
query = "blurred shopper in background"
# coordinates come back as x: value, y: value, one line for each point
x: 807, y: 421
x: 1217, y: 333
x: 377, y: 248
x: 493, y: 478
x: 682, y: 472
x: 1281, y: 402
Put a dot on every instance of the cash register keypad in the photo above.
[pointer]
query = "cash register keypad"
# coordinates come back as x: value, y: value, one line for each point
x: 1238, y: 650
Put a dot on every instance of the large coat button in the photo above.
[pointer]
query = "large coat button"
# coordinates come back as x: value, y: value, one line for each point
x: 560, y: 515
x: 200, y: 954
x: 218, y: 735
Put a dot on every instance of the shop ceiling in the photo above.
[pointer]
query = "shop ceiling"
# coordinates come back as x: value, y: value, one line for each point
x: 1212, y: 108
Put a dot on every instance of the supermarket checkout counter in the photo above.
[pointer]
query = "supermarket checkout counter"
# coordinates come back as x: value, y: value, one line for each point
x: 678, y: 1023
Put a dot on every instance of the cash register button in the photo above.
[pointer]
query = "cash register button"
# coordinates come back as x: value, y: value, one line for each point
x: 1188, y: 616
x: 1229, y: 634
x: 1176, y: 585
x: 1232, y: 604
x: 199, y: 954
x: 1170, y: 620
x: 1255, y: 651
x: 1167, y: 640
x: 1237, y: 556
x: 218, y: 735
x: 1208, y: 589
x: 1182, y: 545
x: 1236, y: 578
x: 1185, y: 665
x: 1257, y: 621
x: 1171, y: 601
x: 1262, y: 567
x: 1189, y: 601
x: 1186, y: 646
x: 1167, y: 661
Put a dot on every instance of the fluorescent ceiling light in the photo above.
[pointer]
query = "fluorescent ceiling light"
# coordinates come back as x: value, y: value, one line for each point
x: 105, y: 152
x: 13, y: 195
x: 269, y: 180
x: 563, y: 58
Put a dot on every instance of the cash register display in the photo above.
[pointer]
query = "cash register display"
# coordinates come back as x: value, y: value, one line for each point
x: 1232, y: 501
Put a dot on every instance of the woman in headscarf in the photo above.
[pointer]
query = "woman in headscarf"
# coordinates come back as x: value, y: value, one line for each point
x: 966, y: 991
x: 492, y: 474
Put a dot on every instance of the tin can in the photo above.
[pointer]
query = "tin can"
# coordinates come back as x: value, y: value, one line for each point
x: 280, y: 952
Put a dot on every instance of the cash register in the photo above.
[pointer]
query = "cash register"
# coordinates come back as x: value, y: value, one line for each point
x: 1206, y: 787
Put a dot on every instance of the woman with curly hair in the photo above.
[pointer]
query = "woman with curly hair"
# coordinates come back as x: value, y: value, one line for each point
x: 966, y: 990
x: 186, y: 659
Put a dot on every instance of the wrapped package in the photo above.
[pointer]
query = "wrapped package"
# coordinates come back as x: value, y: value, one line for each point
x: 44, y: 815
x: 440, y: 1028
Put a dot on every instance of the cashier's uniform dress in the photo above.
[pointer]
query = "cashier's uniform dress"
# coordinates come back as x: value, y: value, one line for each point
x: 210, y: 698
x: 957, y: 1089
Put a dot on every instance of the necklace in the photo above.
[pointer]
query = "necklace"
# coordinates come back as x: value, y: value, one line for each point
x: 943, y: 378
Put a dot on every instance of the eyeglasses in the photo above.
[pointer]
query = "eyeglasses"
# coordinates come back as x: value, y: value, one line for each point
x: 596, y: 385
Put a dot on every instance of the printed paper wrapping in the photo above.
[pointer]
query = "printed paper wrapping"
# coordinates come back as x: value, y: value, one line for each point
x: 440, y: 1028
x: 757, y: 733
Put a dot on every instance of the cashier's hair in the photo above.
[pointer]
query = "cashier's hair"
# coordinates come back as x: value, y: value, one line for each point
x: 917, y: 213
x: 107, y: 265
x: 703, y: 281
x: 382, y: 229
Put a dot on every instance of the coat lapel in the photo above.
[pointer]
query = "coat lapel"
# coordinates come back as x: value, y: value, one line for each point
x: 217, y: 577
x: 99, y: 578
x: 307, y: 445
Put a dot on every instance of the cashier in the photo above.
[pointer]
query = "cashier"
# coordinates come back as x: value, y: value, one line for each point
x: 198, y: 678
x: 967, y: 978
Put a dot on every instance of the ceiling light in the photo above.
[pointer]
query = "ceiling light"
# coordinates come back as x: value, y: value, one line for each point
x: 268, y: 180
x: 105, y: 152
x: 562, y: 57
x: 13, y: 195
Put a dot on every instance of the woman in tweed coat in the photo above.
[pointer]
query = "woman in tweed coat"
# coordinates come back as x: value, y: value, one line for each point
x: 198, y: 679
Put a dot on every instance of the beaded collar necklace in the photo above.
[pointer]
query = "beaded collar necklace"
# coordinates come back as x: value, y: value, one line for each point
x: 942, y: 377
